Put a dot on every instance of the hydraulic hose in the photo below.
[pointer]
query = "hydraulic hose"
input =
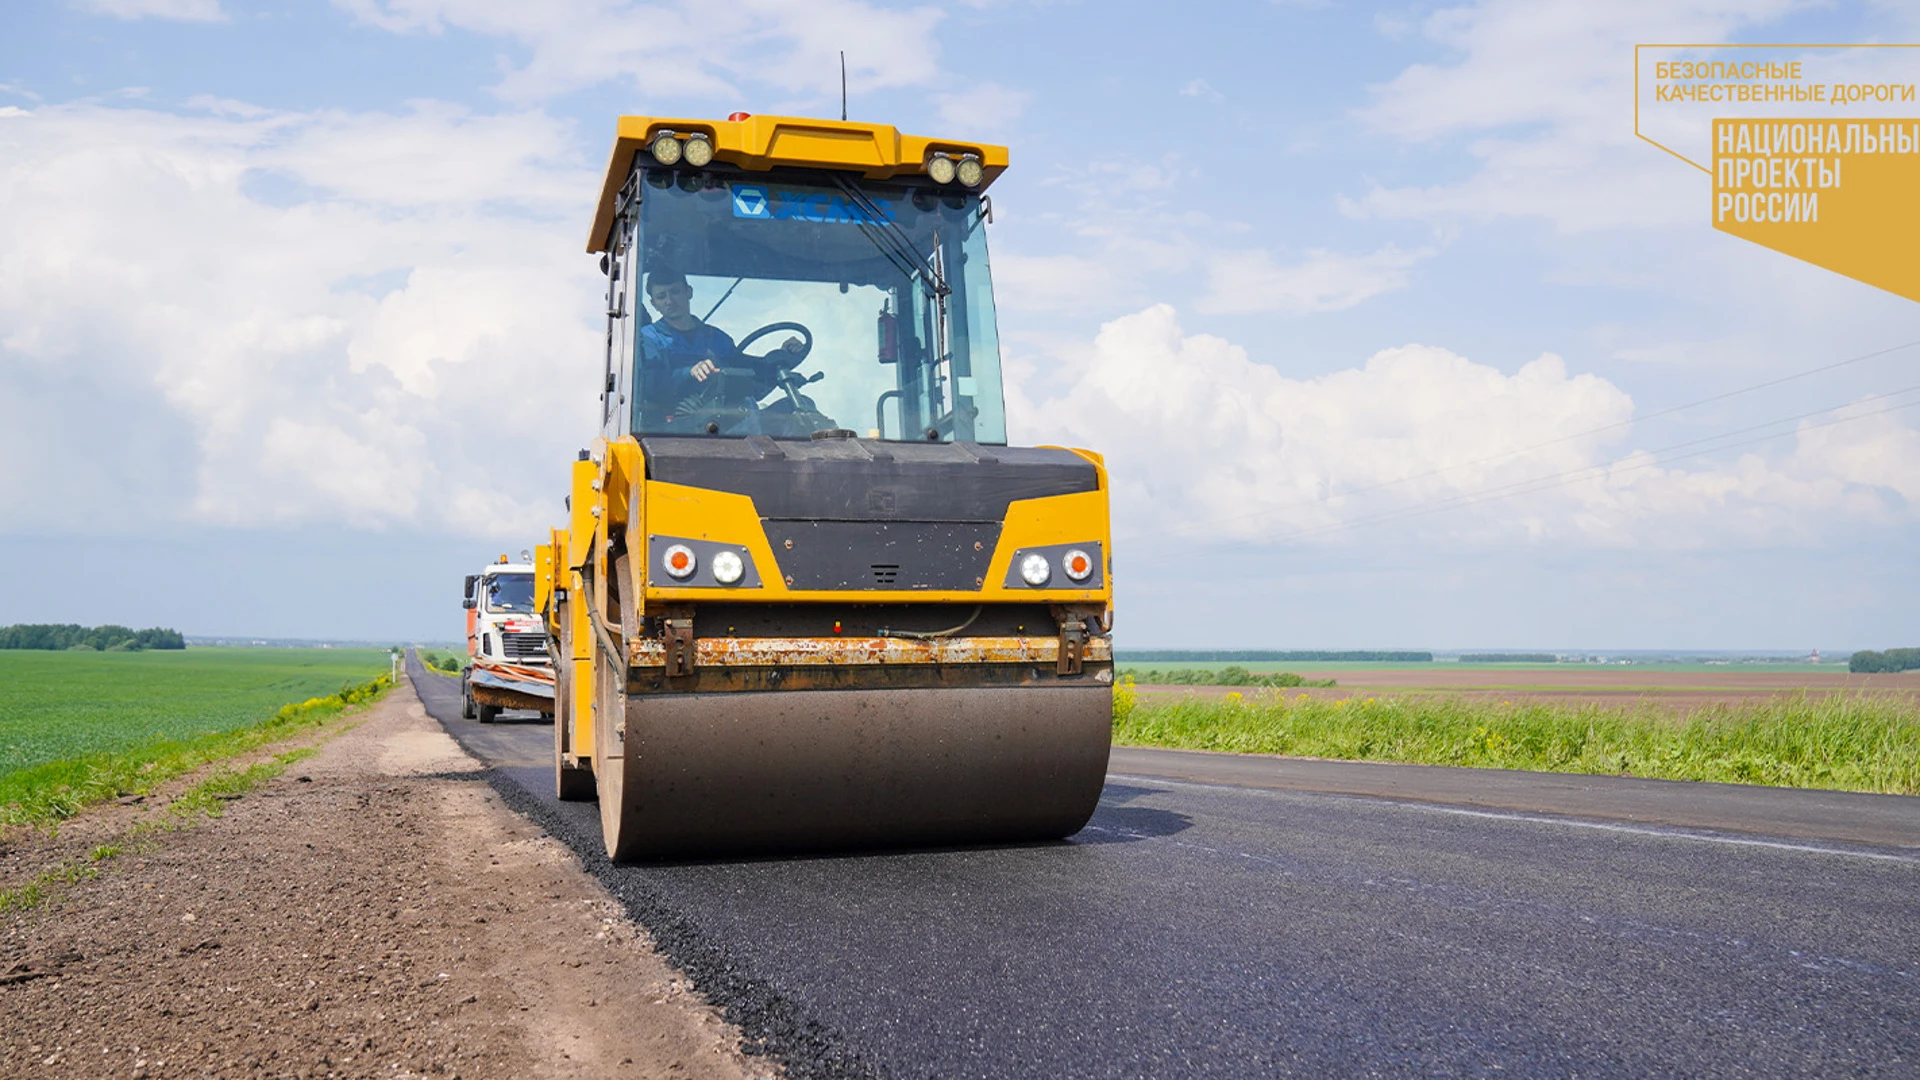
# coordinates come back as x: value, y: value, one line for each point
x: 927, y: 635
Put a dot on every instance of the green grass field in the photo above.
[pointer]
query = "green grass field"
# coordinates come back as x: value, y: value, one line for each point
x: 60, y: 705
x: 1856, y: 742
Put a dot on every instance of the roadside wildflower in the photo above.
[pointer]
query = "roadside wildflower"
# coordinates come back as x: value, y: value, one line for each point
x: 1125, y: 698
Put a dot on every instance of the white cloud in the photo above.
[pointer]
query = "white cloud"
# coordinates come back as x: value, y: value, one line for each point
x: 1140, y: 235
x: 438, y: 155
x: 683, y: 48
x: 982, y: 110
x: 1557, y: 61
x: 1056, y: 283
x: 265, y: 306
x: 1205, y: 443
x: 1545, y: 90
x: 190, y: 10
x: 220, y: 106
x: 1242, y: 282
x: 1201, y: 88
x: 1527, y: 118
x: 1874, y: 449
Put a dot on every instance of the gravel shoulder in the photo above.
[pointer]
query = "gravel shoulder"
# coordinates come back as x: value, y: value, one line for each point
x: 376, y: 910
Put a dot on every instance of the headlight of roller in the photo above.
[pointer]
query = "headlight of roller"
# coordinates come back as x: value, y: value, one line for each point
x: 940, y: 169
x: 698, y: 151
x: 665, y: 148
x: 1034, y: 570
x: 727, y: 565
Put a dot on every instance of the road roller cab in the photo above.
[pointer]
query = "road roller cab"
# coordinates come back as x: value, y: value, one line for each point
x: 808, y: 596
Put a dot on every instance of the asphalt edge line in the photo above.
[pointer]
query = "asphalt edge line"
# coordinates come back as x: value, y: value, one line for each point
x: 1668, y: 832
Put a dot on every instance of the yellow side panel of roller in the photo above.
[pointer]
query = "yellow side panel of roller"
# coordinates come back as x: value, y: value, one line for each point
x: 581, y: 499
x: 543, y: 581
x: 626, y: 464
x: 626, y: 482
x: 1057, y: 519
x: 701, y: 514
x: 557, y: 558
x: 582, y: 667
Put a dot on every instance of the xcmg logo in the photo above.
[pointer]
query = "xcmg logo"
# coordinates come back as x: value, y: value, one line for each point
x: 750, y: 202
x: 822, y: 207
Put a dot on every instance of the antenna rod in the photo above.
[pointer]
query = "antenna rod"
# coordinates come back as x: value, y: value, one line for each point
x: 843, y: 84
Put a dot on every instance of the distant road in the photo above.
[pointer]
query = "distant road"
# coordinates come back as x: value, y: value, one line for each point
x: 1263, y: 917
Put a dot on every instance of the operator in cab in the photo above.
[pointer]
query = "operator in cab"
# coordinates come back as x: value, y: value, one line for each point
x: 683, y: 359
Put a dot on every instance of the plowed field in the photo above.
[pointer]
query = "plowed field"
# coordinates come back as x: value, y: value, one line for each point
x: 1578, y: 683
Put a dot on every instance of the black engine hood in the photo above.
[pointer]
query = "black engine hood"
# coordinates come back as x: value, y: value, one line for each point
x: 868, y: 479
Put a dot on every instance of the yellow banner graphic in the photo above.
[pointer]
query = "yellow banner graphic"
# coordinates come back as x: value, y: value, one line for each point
x: 1843, y: 195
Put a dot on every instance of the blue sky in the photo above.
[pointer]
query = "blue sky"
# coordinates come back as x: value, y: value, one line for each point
x: 296, y: 325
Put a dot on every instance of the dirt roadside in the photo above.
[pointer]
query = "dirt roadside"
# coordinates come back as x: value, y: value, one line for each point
x: 376, y: 910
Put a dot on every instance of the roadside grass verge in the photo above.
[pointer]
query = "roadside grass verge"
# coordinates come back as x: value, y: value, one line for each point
x: 441, y: 663
x: 52, y: 791
x: 1850, y: 742
x: 206, y: 799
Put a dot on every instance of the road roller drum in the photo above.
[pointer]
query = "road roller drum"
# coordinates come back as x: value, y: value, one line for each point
x: 702, y: 774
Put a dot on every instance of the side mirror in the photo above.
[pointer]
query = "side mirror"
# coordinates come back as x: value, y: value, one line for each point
x: 468, y: 600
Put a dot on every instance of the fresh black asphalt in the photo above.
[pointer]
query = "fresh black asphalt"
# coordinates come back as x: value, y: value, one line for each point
x: 1806, y: 813
x: 1213, y: 930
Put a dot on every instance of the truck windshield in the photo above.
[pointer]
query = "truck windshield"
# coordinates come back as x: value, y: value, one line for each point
x: 510, y: 592
x: 785, y: 309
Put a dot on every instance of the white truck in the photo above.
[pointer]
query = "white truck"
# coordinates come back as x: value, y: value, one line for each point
x: 509, y: 666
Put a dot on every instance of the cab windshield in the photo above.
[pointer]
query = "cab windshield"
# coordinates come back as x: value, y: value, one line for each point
x: 762, y: 307
x: 510, y: 592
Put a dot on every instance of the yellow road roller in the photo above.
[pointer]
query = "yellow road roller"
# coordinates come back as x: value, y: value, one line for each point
x: 807, y: 597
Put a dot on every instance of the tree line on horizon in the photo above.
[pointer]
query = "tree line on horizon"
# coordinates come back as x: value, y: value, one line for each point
x: 109, y: 638
x: 1892, y: 661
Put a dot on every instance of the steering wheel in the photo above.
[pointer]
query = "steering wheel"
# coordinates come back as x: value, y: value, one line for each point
x: 731, y: 393
x: 780, y: 357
